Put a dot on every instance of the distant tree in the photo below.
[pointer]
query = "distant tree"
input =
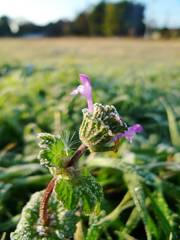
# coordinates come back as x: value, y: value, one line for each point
x: 124, y: 18
x: 5, y: 30
x: 54, y: 29
x: 29, y: 28
x: 96, y: 19
x: 58, y: 28
x: 67, y: 28
x: 136, y: 17
x: 81, y: 24
x: 111, y: 24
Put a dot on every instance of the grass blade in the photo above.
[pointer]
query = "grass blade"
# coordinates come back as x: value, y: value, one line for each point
x: 137, y: 193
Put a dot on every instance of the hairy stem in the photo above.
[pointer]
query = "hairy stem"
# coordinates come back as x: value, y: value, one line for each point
x: 76, y: 156
x: 43, y: 213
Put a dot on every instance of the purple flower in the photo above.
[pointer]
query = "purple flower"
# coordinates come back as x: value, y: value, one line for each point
x: 129, y: 133
x: 85, y: 90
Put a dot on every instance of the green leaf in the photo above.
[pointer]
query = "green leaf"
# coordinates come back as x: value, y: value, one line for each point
x: 91, y: 194
x: 22, y: 170
x: 173, y: 128
x: 163, y: 213
x: 80, y: 191
x: 61, y: 227
x: 160, y: 211
x: 54, y: 150
x: 95, y: 229
x: 93, y: 233
x: 171, y: 189
x: 115, y: 163
x: 67, y: 193
x: 102, y: 222
x: 132, y: 221
x: 138, y: 196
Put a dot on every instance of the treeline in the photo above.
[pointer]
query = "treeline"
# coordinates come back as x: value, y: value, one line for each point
x: 124, y: 18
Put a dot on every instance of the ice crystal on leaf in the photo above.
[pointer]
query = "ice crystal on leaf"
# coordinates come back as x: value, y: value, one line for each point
x: 63, y: 222
x: 80, y: 192
x: 54, y: 150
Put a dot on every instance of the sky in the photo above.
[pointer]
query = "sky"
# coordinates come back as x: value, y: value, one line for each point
x: 161, y: 12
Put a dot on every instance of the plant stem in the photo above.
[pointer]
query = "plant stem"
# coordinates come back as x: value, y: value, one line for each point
x: 49, y: 189
x: 43, y: 213
x: 79, y: 152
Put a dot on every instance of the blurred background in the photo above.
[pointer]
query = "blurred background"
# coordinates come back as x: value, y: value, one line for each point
x: 150, y: 18
x: 131, y: 52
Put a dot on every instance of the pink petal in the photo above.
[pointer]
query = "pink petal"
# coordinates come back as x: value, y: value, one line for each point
x: 136, y: 128
x: 85, y: 90
x: 129, y: 133
x: 84, y: 79
x: 79, y: 89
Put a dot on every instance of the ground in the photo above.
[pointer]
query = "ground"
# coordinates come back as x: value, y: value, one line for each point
x: 140, y: 77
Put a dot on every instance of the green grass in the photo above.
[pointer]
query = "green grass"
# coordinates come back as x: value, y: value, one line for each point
x: 142, y: 79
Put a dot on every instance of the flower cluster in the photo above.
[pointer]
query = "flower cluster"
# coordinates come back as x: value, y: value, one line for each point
x: 101, y: 124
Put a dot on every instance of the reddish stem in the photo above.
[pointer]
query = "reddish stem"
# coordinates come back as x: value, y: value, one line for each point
x: 79, y: 152
x: 43, y: 213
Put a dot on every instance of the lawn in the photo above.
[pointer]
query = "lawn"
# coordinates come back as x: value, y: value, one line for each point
x: 141, y: 78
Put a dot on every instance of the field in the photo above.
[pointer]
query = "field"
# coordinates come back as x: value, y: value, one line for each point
x: 141, y: 78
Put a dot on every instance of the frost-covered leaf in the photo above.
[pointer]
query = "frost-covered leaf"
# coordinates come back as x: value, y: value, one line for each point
x: 173, y: 127
x: 90, y: 193
x: 136, y: 190
x: 62, y: 222
x: 67, y: 193
x: 162, y: 213
x: 132, y: 221
x: 54, y: 150
x: 80, y: 191
x: 164, y: 217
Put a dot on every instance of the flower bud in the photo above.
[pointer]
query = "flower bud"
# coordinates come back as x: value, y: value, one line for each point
x: 100, y: 126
